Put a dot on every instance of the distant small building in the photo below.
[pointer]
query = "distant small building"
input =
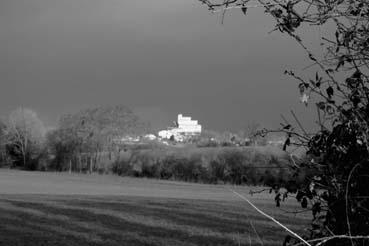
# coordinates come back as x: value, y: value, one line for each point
x: 150, y: 137
x: 276, y: 142
x: 128, y: 139
x: 185, y: 127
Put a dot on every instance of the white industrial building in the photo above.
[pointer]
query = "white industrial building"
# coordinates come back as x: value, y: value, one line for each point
x: 185, y: 127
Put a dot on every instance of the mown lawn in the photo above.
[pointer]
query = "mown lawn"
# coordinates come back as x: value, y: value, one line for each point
x: 37, y: 218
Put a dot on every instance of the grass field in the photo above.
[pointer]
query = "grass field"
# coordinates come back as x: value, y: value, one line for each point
x: 71, y: 209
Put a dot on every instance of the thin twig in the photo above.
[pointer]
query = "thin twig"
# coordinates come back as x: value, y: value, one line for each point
x: 299, y: 123
x: 284, y: 119
x: 347, y: 201
x: 271, y: 218
x: 323, y: 240
x: 319, y: 118
x: 257, y: 234
x: 258, y: 191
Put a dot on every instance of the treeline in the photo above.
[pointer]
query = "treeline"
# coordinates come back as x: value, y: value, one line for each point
x: 90, y: 141
x: 77, y: 143
x: 247, y: 165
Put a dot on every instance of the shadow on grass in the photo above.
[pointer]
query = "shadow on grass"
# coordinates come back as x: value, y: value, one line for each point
x: 132, y: 222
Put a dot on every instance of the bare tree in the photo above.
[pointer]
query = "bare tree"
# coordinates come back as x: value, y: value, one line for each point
x: 93, y: 131
x: 251, y: 131
x: 24, y: 134
x: 3, y: 141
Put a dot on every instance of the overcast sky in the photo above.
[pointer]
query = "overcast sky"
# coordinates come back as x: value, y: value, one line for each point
x: 160, y: 57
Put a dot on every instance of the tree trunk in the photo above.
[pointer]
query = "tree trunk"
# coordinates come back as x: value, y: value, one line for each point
x: 79, y: 163
x: 90, y: 164
x: 24, y: 156
x: 24, y: 159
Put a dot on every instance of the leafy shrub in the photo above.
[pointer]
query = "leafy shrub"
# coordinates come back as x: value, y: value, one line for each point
x: 122, y: 167
x: 233, y: 165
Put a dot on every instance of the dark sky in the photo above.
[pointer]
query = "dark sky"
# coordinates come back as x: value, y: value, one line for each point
x: 159, y: 57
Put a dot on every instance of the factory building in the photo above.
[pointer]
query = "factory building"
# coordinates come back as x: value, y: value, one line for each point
x: 184, y: 128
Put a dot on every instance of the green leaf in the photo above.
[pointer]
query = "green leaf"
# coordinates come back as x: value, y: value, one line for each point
x: 304, y: 202
x: 287, y: 127
x: 321, y: 105
x: 329, y: 70
x: 286, y: 143
x: 330, y: 91
x: 277, y: 199
x: 316, y: 208
x: 312, y: 57
x: 329, y: 109
x: 299, y: 195
x: 356, y: 75
x: 302, y: 88
x: 244, y: 10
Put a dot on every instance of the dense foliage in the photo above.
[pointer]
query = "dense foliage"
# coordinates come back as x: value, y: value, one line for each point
x: 82, y: 140
x: 339, y: 151
x: 3, y: 155
x: 232, y: 165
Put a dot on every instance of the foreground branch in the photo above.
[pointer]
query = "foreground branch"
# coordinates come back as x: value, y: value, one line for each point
x: 324, y: 240
x: 271, y: 218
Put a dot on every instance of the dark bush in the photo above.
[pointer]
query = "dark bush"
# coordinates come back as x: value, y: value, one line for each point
x: 249, y: 165
x: 151, y: 170
x: 236, y: 167
x: 217, y: 171
x: 123, y: 168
